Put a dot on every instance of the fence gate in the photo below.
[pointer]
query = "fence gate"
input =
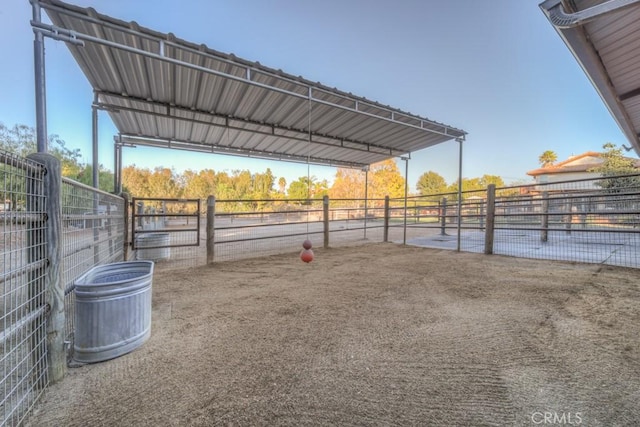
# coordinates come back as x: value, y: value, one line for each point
x: 160, y: 224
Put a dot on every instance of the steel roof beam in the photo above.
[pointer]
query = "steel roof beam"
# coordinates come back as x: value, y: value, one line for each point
x: 110, y: 107
x: 134, y: 140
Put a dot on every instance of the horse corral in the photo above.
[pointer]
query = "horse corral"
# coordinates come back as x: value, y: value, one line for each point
x: 374, y: 334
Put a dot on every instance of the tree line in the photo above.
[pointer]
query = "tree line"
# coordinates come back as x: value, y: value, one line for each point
x: 383, y: 179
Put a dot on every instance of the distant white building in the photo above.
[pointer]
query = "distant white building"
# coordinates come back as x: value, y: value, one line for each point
x: 574, y: 168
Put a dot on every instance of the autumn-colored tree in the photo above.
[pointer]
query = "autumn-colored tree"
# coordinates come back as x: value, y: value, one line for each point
x: 163, y: 183
x: 348, y: 184
x: 385, y: 179
x: 135, y: 181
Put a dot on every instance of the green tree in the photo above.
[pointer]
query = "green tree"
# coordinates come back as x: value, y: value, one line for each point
x: 496, y: 180
x: 199, y: 185
x: 615, y: 164
x: 21, y: 140
x: 547, y: 158
x: 263, y: 184
x: 84, y: 174
x: 468, y: 185
x: 431, y: 183
x: 302, y: 188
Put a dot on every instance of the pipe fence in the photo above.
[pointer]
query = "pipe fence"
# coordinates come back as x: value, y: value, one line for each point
x: 590, y: 220
x: 53, y: 231
x: 23, y: 307
x: 93, y: 233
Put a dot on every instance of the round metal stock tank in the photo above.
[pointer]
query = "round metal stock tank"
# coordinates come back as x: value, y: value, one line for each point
x: 113, y: 310
x: 151, y: 241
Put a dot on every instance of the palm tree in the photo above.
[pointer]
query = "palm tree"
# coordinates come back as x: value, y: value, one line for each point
x: 547, y: 158
x: 282, y: 184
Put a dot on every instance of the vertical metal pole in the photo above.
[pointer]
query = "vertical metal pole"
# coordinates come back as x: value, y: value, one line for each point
x: 40, y: 83
x: 406, y: 193
x: 211, y: 217
x: 460, y: 140
x: 115, y: 167
x: 117, y: 164
x: 125, y: 233
x: 366, y: 198
x: 94, y: 140
x: 95, y: 180
x: 386, y: 219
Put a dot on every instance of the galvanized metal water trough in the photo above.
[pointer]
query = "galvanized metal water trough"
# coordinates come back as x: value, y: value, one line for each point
x: 113, y: 310
x: 147, y: 246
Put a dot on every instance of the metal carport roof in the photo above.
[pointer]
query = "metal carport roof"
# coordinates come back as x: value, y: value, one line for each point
x: 604, y: 36
x: 163, y: 91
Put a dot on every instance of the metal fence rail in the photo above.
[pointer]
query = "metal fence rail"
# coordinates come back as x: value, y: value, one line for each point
x: 580, y: 220
x: 22, y: 302
x: 53, y: 231
x: 93, y: 233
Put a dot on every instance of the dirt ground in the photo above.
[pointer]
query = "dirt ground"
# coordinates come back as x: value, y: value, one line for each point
x: 373, y: 335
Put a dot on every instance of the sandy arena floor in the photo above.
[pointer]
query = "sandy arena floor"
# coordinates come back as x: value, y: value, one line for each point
x: 373, y: 335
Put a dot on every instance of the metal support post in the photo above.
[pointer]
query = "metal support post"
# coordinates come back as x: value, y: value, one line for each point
x: 460, y: 140
x: 366, y: 198
x: 325, y: 217
x: 94, y: 142
x: 406, y: 193
x: 386, y: 219
x: 211, y: 215
x: 40, y: 83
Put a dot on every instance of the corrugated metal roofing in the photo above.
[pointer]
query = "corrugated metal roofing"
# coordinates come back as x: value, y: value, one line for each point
x: 604, y: 36
x: 163, y: 91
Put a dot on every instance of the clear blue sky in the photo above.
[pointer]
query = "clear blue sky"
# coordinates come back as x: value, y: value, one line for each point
x: 496, y: 69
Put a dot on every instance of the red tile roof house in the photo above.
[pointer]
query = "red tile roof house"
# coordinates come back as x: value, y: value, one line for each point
x: 574, y: 168
x: 567, y: 175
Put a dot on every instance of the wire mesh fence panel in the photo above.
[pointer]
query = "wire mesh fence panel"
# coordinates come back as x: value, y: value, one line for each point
x: 592, y: 221
x: 22, y: 302
x: 93, y: 230
x: 245, y: 229
x: 561, y: 220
